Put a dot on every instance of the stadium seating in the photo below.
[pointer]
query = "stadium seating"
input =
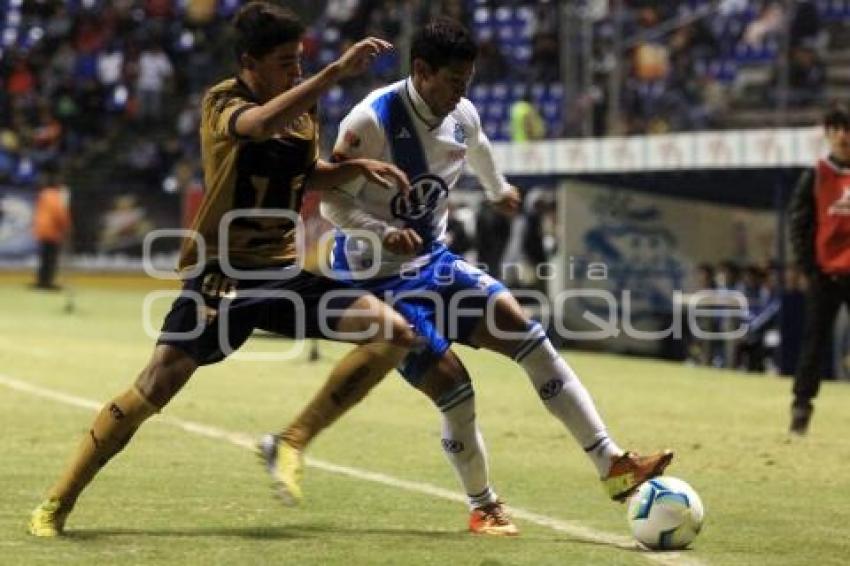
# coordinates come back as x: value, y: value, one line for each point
x: 735, y: 63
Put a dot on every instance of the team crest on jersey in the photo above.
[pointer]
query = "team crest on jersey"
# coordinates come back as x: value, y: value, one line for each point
x: 425, y: 194
x: 460, y: 133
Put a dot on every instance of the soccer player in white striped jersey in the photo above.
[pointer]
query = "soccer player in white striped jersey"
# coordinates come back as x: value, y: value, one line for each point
x: 426, y: 127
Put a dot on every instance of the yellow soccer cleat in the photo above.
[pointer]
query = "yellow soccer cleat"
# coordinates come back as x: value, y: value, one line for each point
x: 630, y: 470
x: 286, y: 466
x: 493, y: 520
x: 48, y: 519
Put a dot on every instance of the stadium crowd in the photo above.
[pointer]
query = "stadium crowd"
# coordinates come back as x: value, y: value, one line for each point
x: 77, y: 75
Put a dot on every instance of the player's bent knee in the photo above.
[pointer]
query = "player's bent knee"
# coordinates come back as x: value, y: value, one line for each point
x: 167, y: 372
x: 508, y: 326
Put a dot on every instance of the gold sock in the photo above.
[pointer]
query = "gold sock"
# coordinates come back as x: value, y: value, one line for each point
x: 113, y: 427
x: 349, y: 382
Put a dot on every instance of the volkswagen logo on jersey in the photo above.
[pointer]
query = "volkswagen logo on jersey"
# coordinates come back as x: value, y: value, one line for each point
x: 418, y: 206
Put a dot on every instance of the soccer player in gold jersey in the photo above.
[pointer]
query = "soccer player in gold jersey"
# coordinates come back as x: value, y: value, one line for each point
x: 259, y: 146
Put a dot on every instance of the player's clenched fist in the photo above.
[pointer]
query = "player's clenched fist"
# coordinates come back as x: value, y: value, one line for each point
x: 509, y: 203
x: 403, y: 242
x: 359, y: 56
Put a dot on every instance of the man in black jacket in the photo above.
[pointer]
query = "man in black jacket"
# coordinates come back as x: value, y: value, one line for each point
x: 820, y: 236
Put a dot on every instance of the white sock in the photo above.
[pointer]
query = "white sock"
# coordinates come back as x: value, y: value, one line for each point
x: 566, y: 398
x: 464, y: 446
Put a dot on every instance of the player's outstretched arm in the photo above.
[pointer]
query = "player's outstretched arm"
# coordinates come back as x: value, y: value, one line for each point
x: 504, y: 195
x: 329, y: 175
x: 262, y: 121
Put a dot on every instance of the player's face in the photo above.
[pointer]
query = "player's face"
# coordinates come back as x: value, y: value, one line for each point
x: 443, y: 89
x: 839, y: 142
x: 279, y: 70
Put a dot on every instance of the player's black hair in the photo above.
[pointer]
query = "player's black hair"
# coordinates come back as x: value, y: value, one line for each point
x: 262, y: 26
x: 442, y: 42
x: 837, y: 116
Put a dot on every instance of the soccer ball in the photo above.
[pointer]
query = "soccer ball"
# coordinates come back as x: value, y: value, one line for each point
x: 665, y: 513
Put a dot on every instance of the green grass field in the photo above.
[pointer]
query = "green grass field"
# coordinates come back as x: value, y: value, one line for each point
x: 176, y: 496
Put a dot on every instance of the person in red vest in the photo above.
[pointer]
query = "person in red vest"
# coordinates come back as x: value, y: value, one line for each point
x: 51, y: 225
x: 820, y: 236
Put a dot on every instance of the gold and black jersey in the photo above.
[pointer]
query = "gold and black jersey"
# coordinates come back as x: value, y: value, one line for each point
x: 251, y: 177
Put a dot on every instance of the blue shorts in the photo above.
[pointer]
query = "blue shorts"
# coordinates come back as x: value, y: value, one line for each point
x: 443, y: 300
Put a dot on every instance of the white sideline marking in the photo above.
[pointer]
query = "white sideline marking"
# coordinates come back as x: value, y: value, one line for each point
x: 571, y: 528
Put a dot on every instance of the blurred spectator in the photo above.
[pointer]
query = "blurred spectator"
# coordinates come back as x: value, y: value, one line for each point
x: 806, y: 77
x: 46, y: 136
x: 768, y: 24
x: 51, y: 225
x: 7, y: 158
x: 705, y: 277
x: 161, y: 9
x: 545, y: 20
x: 526, y: 122
x: 457, y: 238
x: 110, y: 64
x: 491, y: 65
x: 805, y: 24
x: 730, y: 7
x: 339, y: 12
x: 538, y: 239
x: 58, y: 26
x: 200, y: 13
x: 144, y: 159
x: 702, y: 351
x: 492, y: 234
x: 729, y: 276
x: 753, y: 286
x: 154, y: 69
x: 651, y: 62
x: 545, y: 58
x: 188, y: 122
x: 21, y: 81
x: 61, y: 67
x: 90, y: 33
x: 386, y: 21
x: 752, y: 351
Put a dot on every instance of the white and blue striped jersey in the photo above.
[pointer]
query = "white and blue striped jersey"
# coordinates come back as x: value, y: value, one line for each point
x: 394, y: 124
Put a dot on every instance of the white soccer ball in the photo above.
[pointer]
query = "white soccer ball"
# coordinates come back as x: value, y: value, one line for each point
x: 665, y: 513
